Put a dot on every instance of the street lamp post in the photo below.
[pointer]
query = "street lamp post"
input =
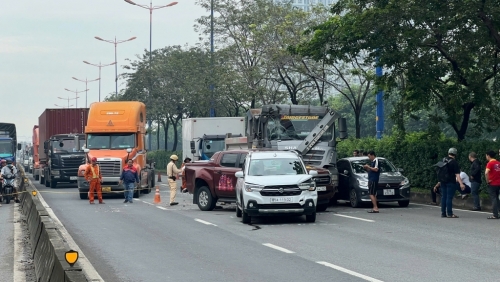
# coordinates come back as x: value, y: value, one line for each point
x: 86, y: 82
x: 115, y: 42
x: 100, y: 66
x: 68, y: 99
x: 76, y: 95
x: 150, y: 8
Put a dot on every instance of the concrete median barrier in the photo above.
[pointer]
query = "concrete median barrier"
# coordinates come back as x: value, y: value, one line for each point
x: 47, y: 243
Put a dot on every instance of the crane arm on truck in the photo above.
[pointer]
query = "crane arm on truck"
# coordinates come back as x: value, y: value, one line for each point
x: 323, y: 126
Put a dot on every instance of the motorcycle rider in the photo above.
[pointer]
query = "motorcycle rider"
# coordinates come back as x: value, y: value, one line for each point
x: 9, y: 170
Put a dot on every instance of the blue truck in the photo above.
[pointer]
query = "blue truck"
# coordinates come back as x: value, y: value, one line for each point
x: 8, y: 142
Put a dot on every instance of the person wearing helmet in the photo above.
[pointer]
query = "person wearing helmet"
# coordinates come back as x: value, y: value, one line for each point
x: 448, y: 176
x: 8, y: 170
x: 94, y: 177
x: 172, y: 171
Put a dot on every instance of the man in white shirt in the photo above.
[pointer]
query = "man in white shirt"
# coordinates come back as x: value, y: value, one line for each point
x: 466, y: 181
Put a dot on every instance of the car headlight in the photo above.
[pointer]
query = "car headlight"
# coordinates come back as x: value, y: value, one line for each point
x: 363, y: 183
x: 405, y: 182
x: 311, y: 186
x: 253, y: 187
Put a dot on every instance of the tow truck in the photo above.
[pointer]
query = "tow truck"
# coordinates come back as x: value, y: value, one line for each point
x: 309, y: 130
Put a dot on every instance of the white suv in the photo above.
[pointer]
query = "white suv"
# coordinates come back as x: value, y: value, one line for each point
x: 275, y: 183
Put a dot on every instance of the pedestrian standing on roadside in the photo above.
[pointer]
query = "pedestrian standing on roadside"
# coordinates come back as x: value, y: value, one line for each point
x: 448, y: 176
x: 172, y: 171
x: 94, y: 178
x: 129, y: 178
x: 373, y: 170
x: 492, y: 174
x: 183, y: 175
x: 475, y: 180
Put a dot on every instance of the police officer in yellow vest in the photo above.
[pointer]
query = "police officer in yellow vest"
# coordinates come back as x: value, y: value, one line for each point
x: 172, y: 173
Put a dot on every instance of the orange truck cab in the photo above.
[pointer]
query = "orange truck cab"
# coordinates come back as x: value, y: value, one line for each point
x: 116, y: 132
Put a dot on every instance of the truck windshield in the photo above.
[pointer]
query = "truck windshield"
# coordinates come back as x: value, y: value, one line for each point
x: 275, y: 167
x: 6, y: 149
x: 111, y: 141
x: 210, y: 147
x: 66, y: 146
x: 295, y: 128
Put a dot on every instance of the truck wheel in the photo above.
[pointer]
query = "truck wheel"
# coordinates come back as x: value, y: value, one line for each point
x: 137, y: 192
x: 321, y: 208
x: 205, y: 200
x: 53, y: 184
x: 238, y: 211
x: 245, y: 217
x: 83, y: 196
x: 354, y: 199
x: 311, y: 217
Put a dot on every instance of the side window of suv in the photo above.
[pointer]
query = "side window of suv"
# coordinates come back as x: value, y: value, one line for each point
x: 242, y: 160
x: 229, y: 160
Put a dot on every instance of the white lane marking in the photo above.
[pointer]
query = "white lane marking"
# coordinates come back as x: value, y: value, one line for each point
x: 350, y: 272
x: 162, y: 208
x: 87, y: 267
x: 353, y: 217
x: 19, y: 276
x: 453, y: 207
x: 204, y: 222
x: 278, y: 248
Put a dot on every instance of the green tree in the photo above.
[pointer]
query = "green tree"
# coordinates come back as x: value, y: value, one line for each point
x: 445, y: 50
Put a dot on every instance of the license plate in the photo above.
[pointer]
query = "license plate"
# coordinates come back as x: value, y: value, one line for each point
x: 388, y: 192
x: 73, y: 178
x: 281, y: 200
x: 106, y: 189
x: 321, y: 188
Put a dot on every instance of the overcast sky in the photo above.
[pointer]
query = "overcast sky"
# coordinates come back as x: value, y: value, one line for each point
x: 43, y: 45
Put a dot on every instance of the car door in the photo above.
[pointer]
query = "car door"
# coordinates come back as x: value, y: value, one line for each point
x: 224, y: 179
x: 343, y: 190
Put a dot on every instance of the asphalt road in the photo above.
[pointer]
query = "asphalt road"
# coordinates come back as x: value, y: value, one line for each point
x: 147, y: 242
x: 7, y: 242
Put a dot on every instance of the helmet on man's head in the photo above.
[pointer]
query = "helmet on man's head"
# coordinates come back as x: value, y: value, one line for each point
x: 174, y: 157
x: 452, y: 151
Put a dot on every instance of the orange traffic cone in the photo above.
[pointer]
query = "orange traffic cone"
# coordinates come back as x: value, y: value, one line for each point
x: 157, y: 195
x: 159, y: 177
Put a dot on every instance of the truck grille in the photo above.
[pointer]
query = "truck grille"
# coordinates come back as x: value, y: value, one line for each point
x: 322, y: 180
x: 72, y: 162
x: 110, y: 168
x: 288, y: 190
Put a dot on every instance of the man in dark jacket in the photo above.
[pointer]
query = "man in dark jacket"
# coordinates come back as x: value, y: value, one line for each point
x: 129, y: 178
x: 475, y: 180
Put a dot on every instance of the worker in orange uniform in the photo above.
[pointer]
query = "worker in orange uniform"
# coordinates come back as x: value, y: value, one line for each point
x: 172, y: 171
x: 183, y: 175
x: 94, y: 177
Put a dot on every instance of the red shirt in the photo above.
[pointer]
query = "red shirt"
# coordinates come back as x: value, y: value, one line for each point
x: 494, y: 173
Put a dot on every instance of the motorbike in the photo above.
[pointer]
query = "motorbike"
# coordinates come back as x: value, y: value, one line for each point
x: 8, y: 188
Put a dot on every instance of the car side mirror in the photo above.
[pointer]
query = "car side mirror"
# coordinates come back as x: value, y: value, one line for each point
x: 129, y: 150
x: 346, y: 172
x: 313, y: 172
x: 401, y: 170
x: 239, y: 174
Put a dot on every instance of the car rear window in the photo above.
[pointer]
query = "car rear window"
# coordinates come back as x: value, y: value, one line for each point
x: 229, y: 160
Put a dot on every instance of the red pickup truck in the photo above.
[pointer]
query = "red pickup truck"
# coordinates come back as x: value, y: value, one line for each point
x: 213, y: 181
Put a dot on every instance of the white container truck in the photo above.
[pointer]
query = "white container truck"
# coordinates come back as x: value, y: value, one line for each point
x: 202, y: 137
